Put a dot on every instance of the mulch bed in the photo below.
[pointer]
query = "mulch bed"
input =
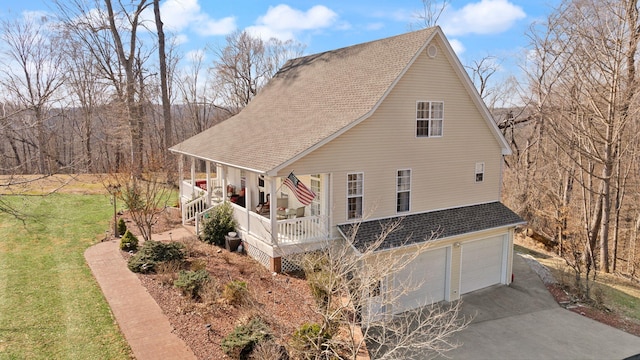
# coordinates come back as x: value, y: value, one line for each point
x: 284, y: 302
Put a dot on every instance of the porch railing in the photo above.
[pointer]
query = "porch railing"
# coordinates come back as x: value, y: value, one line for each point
x: 290, y: 231
x: 200, y: 216
x: 302, y: 229
x: 193, y: 207
x: 189, y: 188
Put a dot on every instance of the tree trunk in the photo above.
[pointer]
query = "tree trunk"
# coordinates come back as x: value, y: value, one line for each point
x: 166, y: 104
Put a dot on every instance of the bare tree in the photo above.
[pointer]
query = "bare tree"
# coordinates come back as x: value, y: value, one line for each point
x: 359, y: 295
x: 430, y: 13
x: 197, y: 101
x: 245, y: 64
x: 575, y: 161
x: 145, y: 196
x: 164, y: 85
x: 33, y: 77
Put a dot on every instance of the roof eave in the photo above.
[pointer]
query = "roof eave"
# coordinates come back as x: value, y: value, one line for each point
x: 258, y: 171
x: 475, y: 96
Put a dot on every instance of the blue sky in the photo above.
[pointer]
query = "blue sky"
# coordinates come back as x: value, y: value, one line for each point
x: 476, y: 28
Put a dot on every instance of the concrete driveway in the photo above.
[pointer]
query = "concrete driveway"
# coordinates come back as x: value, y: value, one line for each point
x: 523, y: 321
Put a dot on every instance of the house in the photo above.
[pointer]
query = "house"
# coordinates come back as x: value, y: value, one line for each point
x: 385, y: 129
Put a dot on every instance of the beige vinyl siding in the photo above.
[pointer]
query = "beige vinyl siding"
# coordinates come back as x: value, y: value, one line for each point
x: 443, y: 168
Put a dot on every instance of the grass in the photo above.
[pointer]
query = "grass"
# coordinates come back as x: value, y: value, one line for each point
x: 50, y: 305
x: 620, y: 294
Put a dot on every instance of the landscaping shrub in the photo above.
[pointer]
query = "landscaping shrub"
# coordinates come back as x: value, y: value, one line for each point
x: 154, y: 252
x: 269, y: 350
x: 309, y: 341
x: 235, y: 292
x: 198, y: 264
x: 240, y: 343
x: 128, y: 242
x: 320, y: 283
x: 168, y: 272
x: 219, y: 225
x: 122, y: 226
x: 191, y: 282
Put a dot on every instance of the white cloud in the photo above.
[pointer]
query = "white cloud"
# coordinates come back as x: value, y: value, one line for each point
x: 216, y: 27
x: 266, y: 33
x: 178, y: 14
x: 283, y: 22
x: 457, y: 46
x: 283, y: 17
x: 195, y: 55
x: 186, y: 15
x: 180, y: 39
x: 484, y: 17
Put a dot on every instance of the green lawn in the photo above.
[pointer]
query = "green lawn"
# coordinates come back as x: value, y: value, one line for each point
x: 50, y: 305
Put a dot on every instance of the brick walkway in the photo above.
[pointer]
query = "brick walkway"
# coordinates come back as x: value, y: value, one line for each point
x: 144, y: 325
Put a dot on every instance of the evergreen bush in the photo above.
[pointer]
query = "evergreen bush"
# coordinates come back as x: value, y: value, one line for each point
x: 128, y: 242
x: 154, y: 252
x: 219, y: 224
x: 122, y: 227
x: 309, y: 340
x: 191, y: 282
x: 240, y: 343
x: 235, y: 292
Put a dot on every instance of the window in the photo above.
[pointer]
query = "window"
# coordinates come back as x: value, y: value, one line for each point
x: 479, y: 172
x: 403, y: 190
x: 315, y: 187
x: 375, y: 288
x: 355, y: 191
x: 429, y: 117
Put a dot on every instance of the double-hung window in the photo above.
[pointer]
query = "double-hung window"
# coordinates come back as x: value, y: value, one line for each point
x: 479, y: 172
x: 355, y: 194
x: 403, y: 190
x: 429, y: 118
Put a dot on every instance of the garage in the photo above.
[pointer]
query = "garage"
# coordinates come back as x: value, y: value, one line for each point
x: 482, y: 263
x: 429, y: 273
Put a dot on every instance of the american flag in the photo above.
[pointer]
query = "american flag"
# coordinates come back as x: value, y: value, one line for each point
x: 303, y: 193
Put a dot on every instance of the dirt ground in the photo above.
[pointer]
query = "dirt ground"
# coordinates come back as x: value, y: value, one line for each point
x: 284, y: 302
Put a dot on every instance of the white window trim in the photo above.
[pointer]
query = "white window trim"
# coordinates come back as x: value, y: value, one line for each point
x: 479, y: 171
x: 316, y: 202
x: 409, y: 191
x: 354, y: 196
x: 429, y: 119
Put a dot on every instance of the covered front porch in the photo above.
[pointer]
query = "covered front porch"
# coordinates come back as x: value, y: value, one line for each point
x: 268, y: 214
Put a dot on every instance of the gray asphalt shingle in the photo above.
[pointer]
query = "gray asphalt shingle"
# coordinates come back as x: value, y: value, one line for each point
x: 433, y: 225
x: 307, y: 101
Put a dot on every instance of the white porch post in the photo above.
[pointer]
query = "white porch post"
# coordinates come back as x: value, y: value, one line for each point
x: 208, y: 165
x: 193, y: 178
x: 273, y: 210
x: 248, y: 204
x: 223, y: 174
x: 181, y: 175
x: 181, y: 185
x: 326, y: 201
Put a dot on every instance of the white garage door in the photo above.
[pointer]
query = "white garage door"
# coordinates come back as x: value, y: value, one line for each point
x: 482, y: 264
x: 426, y: 276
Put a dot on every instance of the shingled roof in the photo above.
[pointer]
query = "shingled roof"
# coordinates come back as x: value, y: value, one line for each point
x: 310, y: 99
x: 433, y: 225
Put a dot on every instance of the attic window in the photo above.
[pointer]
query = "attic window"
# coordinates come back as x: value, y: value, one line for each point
x: 429, y: 118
